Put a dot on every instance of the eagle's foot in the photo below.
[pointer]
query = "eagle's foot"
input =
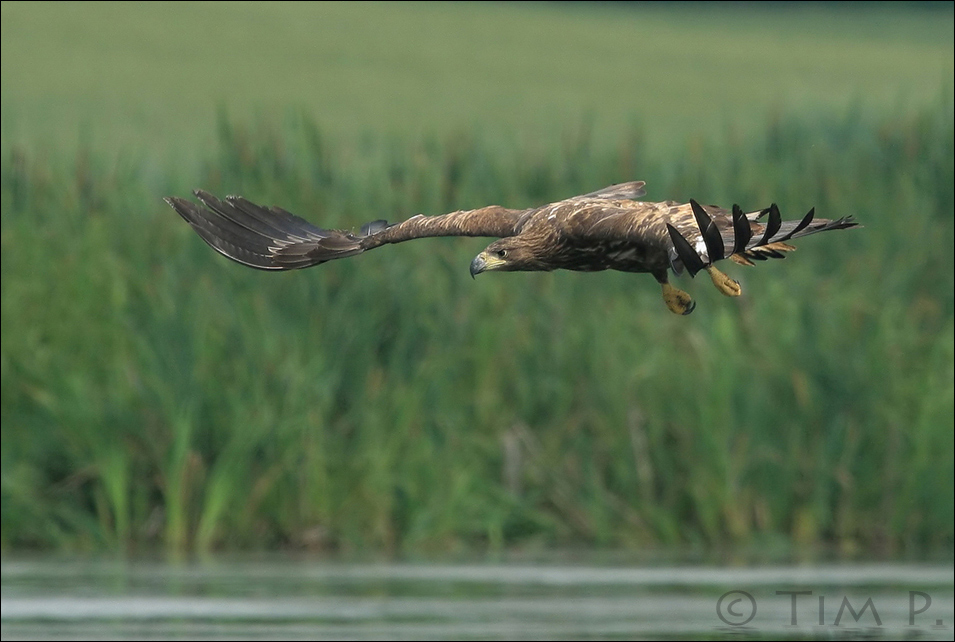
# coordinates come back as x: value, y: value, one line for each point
x: 723, y: 283
x: 677, y: 300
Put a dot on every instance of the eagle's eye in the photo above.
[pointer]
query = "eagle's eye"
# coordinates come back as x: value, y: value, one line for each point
x: 501, y: 254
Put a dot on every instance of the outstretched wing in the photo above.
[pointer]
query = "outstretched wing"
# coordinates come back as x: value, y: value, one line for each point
x: 701, y: 235
x: 274, y: 239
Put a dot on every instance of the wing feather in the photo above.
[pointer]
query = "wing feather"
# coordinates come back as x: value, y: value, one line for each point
x: 744, y: 238
x: 710, y: 232
x: 275, y: 239
x: 742, y: 230
x: 492, y: 221
x: 619, y: 192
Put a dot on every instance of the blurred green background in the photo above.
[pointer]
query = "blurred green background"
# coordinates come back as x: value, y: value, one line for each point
x: 157, y: 397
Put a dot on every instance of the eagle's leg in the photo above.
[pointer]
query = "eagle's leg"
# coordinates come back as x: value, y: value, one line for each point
x: 723, y: 283
x: 676, y: 299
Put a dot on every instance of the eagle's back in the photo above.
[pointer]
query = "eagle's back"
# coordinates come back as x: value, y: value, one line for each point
x: 592, y: 234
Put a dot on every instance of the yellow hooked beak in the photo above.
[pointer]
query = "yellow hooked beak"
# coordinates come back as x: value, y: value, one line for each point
x: 484, y: 262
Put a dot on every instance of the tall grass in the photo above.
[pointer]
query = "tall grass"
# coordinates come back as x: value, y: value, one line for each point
x: 156, y: 395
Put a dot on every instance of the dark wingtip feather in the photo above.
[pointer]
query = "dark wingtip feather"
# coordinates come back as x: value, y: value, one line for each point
x: 268, y: 239
x: 186, y: 209
x: 772, y: 225
x: 691, y: 260
x: 742, y: 231
x: 709, y: 231
x: 844, y: 223
x: 806, y: 220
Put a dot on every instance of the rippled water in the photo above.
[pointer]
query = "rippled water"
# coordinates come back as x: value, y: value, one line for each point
x: 69, y: 600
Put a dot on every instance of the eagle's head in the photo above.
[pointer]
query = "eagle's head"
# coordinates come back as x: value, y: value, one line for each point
x: 511, y: 254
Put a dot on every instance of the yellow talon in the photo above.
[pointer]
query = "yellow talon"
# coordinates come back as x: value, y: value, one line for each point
x: 677, y: 300
x: 723, y: 283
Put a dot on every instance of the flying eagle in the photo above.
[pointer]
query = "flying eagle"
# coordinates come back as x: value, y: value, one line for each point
x: 604, y: 230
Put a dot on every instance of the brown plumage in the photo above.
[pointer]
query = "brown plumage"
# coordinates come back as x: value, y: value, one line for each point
x: 604, y: 230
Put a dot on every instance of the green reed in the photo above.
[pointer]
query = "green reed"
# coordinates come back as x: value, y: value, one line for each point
x: 155, y: 395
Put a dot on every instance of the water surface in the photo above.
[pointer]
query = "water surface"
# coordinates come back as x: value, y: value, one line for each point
x: 308, y: 600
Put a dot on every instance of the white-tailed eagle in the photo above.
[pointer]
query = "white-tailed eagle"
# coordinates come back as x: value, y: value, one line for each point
x: 604, y: 230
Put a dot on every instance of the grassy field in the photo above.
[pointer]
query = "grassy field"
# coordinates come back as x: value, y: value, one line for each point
x: 150, y: 76
x: 155, y: 395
